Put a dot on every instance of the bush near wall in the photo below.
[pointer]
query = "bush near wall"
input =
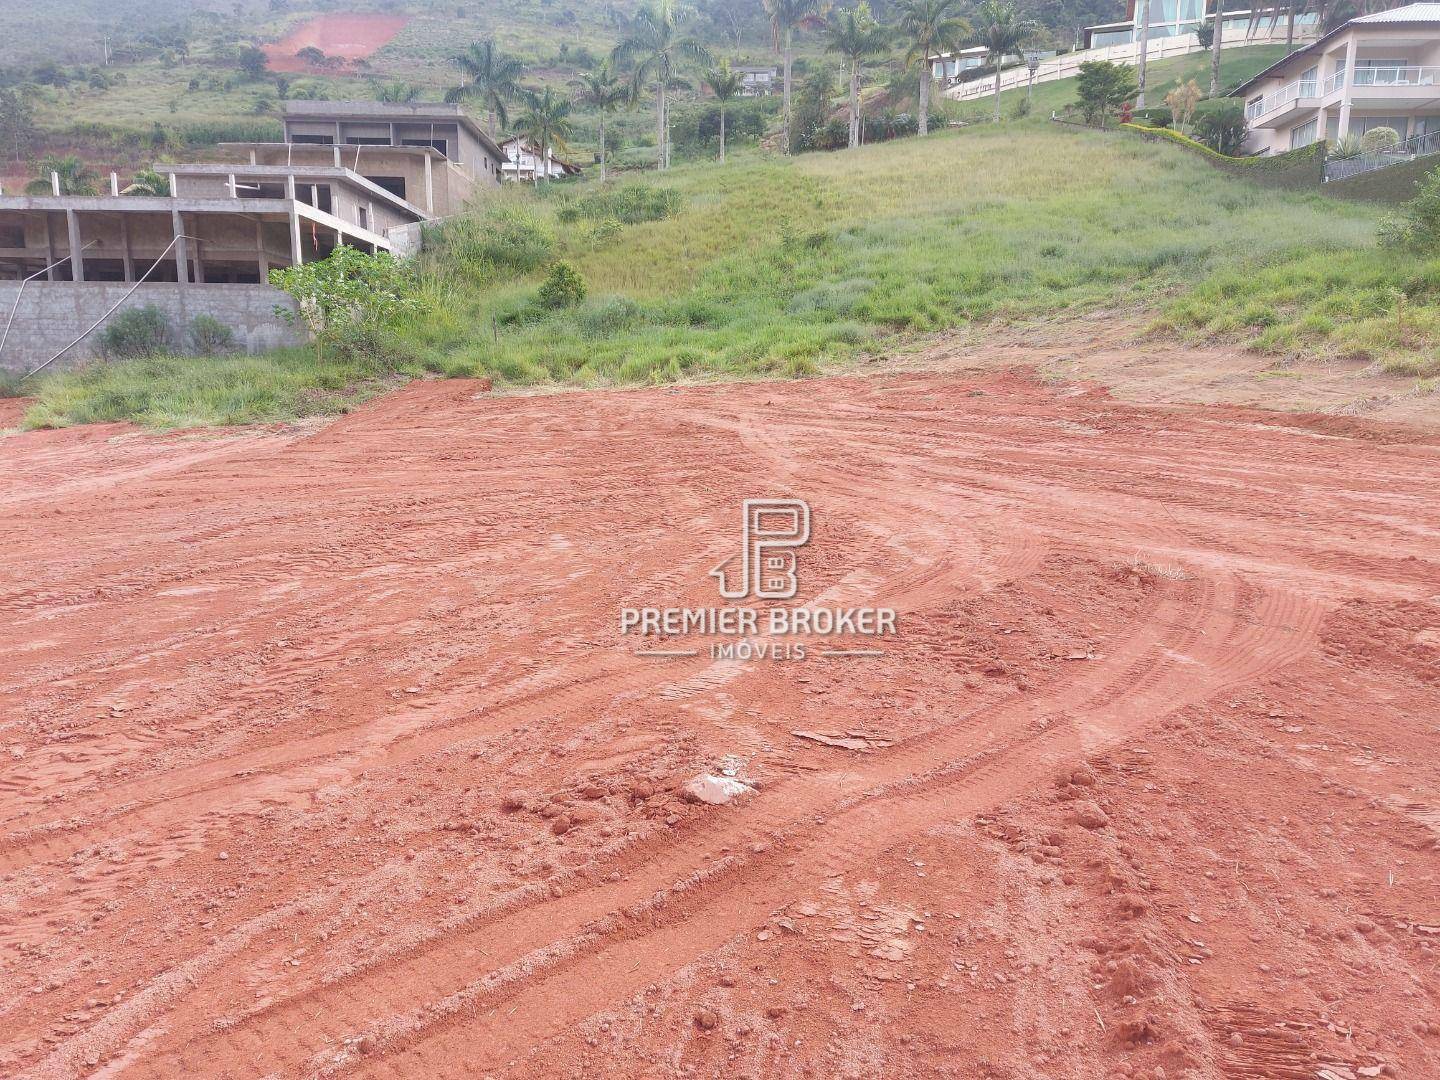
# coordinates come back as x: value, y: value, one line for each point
x: 1302, y: 169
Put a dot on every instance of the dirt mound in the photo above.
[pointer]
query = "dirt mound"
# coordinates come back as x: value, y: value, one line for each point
x: 342, y: 37
x: 325, y: 754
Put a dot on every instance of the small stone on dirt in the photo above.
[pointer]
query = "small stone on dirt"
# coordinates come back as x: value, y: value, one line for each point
x: 715, y: 790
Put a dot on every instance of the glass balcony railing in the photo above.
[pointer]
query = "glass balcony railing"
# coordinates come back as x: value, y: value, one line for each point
x: 1300, y: 88
x: 1396, y: 76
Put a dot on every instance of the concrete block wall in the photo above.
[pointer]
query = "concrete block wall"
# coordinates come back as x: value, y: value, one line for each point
x: 52, y: 314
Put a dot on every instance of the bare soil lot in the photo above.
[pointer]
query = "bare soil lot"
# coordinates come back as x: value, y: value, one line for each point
x: 347, y: 36
x: 323, y: 754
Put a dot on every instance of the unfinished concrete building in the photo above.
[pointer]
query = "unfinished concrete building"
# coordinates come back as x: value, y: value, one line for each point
x: 366, y: 174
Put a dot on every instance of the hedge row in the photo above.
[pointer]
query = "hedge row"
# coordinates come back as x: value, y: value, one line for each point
x: 1302, y: 168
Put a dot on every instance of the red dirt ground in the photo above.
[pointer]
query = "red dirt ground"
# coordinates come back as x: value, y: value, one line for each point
x: 290, y: 719
x: 349, y: 37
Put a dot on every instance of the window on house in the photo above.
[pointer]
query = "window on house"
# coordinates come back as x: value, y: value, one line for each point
x: 12, y: 236
x: 1303, y: 135
x: 1359, y: 125
x: 395, y: 185
x: 313, y: 140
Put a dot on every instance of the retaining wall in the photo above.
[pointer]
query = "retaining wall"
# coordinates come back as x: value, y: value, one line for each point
x: 52, y: 314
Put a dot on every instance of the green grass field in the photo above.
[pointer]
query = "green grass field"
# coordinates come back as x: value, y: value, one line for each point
x: 776, y: 267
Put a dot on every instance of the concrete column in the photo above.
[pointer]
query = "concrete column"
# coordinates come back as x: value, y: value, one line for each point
x: 338, y: 138
x: 337, y: 157
x: 114, y: 184
x: 49, y: 249
x: 125, y: 252
x: 429, y: 186
x: 264, y: 258
x: 77, y: 257
x: 254, y: 160
x: 1348, y: 90
x: 182, y: 248
x: 55, y: 183
x: 174, y: 187
x: 392, y: 133
x: 296, y: 255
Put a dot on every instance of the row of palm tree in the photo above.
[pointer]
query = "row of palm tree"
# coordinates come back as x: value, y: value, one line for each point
x: 656, y: 54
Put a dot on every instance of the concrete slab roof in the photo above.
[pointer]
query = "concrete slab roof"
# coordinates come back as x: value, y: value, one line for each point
x: 419, y: 112
x: 300, y: 172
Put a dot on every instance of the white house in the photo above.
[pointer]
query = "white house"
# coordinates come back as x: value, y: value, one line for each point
x: 756, y: 81
x: 946, y: 67
x: 1380, y: 70
x: 523, y: 162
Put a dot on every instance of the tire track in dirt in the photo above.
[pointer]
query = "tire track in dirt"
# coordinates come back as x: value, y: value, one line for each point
x: 1142, y: 668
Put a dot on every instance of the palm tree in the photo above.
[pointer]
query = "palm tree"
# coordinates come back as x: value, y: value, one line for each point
x: 787, y: 16
x: 657, y: 51
x: 1142, y: 53
x: 601, y: 90
x: 148, y: 182
x: 855, y: 35
x: 545, y: 123
x: 76, y: 178
x: 492, y: 77
x: 1215, y: 48
x: 930, y: 26
x: 400, y: 93
x: 1002, y: 31
x: 725, y: 85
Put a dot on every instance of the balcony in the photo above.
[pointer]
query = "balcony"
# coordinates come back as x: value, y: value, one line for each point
x: 1395, y: 76
x: 1272, y: 108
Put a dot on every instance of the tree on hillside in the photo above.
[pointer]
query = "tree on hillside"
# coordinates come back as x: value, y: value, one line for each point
x: 545, y: 123
x: 856, y: 36
x: 252, y: 62
x: 76, y: 178
x: 657, y: 52
x: 1002, y: 31
x: 18, y: 132
x: 601, y: 90
x: 399, y: 93
x: 490, y: 77
x: 1103, y: 87
x: 725, y: 85
x: 786, y: 17
x: 929, y: 27
x: 148, y: 182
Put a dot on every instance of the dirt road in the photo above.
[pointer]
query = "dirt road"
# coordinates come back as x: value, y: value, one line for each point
x: 324, y: 755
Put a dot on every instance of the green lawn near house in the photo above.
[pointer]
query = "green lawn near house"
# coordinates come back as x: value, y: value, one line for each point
x: 1236, y: 65
x: 775, y: 267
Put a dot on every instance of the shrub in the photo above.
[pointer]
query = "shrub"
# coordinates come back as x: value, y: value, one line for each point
x: 1020, y: 109
x: 1158, y: 117
x: 1345, y: 148
x: 563, y: 288
x: 609, y: 318
x: 509, y: 238
x: 1416, y: 224
x: 209, y: 336
x: 1102, y: 87
x: 1205, y: 32
x: 346, y: 297
x: 10, y: 385
x: 1220, y: 125
x: 1379, y: 138
x: 135, y: 333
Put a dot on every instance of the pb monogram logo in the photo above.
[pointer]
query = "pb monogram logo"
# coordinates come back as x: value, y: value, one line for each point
x: 770, y: 531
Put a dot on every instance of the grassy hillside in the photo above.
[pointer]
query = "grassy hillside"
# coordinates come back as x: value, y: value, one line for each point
x: 775, y: 267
